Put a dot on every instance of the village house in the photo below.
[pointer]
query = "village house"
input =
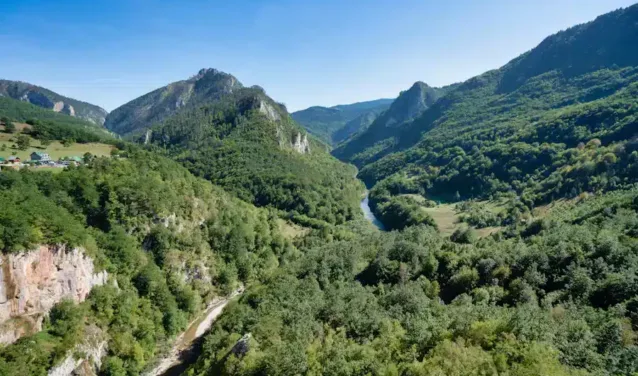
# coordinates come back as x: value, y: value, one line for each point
x: 14, y: 159
x: 38, y: 156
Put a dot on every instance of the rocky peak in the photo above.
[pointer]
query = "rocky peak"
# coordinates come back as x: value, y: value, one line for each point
x: 411, y: 103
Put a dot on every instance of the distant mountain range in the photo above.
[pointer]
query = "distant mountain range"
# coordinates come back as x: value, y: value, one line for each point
x: 337, y: 123
x: 45, y: 98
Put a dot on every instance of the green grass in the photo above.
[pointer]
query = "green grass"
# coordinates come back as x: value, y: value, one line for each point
x: 56, y: 150
x: 447, y: 217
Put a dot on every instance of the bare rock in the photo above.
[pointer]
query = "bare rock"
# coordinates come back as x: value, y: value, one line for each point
x: 31, y: 283
x: 301, y: 144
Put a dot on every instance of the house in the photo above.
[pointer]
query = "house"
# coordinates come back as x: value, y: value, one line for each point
x: 14, y: 159
x: 38, y: 156
x: 2, y: 160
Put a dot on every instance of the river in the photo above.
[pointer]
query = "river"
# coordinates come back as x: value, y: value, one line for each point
x: 367, y: 213
x: 188, y: 345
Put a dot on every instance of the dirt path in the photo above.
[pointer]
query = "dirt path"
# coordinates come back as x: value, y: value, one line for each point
x: 187, y: 345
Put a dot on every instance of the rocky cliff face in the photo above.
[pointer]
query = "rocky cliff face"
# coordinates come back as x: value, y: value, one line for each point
x: 31, y: 283
x: 301, y: 144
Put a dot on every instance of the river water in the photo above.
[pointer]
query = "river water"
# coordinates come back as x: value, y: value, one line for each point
x: 367, y: 213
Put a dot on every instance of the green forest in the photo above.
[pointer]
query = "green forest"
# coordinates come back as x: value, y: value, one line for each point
x: 234, y: 145
x: 212, y: 190
x: 116, y: 210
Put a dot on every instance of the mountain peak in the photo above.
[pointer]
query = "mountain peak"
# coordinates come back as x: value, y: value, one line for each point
x: 209, y: 84
x: 411, y: 103
x: 208, y: 72
x: 420, y: 85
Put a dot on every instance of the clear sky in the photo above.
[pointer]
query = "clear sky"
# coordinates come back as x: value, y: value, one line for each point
x: 303, y: 52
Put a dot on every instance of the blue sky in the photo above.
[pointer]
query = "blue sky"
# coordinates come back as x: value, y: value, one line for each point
x: 302, y: 52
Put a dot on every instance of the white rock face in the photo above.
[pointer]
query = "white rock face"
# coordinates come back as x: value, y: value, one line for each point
x: 92, y: 350
x: 301, y: 144
x: 268, y: 110
x: 31, y: 283
x: 147, y: 136
x: 64, y: 108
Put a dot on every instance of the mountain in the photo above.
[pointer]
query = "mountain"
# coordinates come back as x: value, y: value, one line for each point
x: 358, y: 124
x: 114, y: 266
x: 408, y: 105
x: 47, y: 99
x: 242, y: 140
x: 325, y: 122
x: 139, y: 114
x: 555, y: 122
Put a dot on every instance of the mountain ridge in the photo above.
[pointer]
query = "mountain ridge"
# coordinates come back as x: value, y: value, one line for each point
x: 326, y: 122
x: 48, y: 99
x: 153, y: 107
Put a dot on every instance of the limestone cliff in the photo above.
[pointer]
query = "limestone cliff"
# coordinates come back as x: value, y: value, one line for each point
x: 301, y: 144
x: 31, y: 283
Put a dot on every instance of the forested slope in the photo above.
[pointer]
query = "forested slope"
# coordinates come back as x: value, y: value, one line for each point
x: 555, y: 122
x: 55, y: 102
x: 556, y: 297
x: 169, y: 242
x: 337, y: 123
x: 247, y: 143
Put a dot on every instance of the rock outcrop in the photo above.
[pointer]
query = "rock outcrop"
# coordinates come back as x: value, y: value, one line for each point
x: 86, y: 358
x: 64, y: 108
x: 31, y: 283
x: 268, y: 110
x: 301, y: 144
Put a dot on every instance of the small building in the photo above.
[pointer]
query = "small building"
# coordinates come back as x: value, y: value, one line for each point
x: 14, y: 159
x: 2, y: 160
x: 38, y: 156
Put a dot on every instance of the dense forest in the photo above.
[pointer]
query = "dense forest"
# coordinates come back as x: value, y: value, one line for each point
x: 249, y: 151
x: 555, y: 297
x: 537, y: 128
x: 217, y: 189
x: 169, y: 241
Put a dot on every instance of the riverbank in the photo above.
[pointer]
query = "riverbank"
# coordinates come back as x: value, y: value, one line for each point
x: 368, y: 214
x: 186, y: 347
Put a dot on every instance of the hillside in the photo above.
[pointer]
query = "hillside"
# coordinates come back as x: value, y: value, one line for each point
x: 555, y: 122
x: 248, y: 144
x: 337, y: 123
x: 164, y: 243
x: 139, y: 114
x: 45, y: 98
x: 409, y: 105
x: 509, y: 246
x: 22, y: 112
